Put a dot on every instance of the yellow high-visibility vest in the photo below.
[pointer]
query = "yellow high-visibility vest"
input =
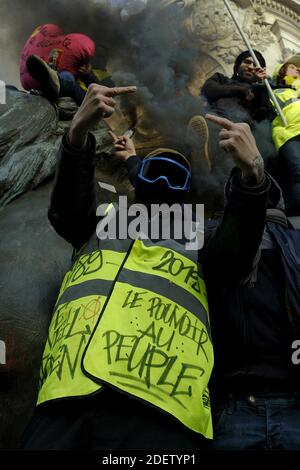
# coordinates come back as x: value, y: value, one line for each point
x: 133, y: 315
x: 290, y: 104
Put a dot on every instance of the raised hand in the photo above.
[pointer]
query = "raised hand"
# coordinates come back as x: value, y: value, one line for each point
x: 124, y: 146
x: 98, y: 103
x: 260, y: 73
x: 238, y: 139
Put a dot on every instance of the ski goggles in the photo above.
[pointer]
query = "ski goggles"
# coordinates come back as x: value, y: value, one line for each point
x: 173, y: 173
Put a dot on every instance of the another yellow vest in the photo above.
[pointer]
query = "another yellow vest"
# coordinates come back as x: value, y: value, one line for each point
x: 290, y: 105
x: 133, y: 315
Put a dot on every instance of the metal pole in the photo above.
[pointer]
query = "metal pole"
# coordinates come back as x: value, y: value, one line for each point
x: 266, y: 82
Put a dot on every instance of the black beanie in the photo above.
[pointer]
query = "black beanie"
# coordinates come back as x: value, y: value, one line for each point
x: 243, y: 56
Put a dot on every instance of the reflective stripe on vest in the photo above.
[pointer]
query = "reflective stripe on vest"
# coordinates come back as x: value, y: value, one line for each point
x: 284, y: 104
x: 144, y: 330
x: 290, y: 105
x: 80, y: 301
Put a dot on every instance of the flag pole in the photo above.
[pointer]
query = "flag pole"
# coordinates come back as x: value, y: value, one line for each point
x: 251, y: 51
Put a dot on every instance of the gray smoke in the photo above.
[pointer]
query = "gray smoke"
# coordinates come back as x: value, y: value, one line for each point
x: 151, y: 50
x: 21, y: 17
x: 159, y: 58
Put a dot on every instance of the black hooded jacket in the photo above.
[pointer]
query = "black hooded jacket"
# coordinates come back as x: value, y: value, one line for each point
x: 254, y: 320
x: 227, y: 97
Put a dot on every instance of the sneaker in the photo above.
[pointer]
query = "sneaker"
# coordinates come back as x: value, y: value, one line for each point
x: 47, y: 78
x: 198, y: 138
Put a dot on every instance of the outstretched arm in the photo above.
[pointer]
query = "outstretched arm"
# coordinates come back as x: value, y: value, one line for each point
x: 232, y: 245
x: 73, y: 203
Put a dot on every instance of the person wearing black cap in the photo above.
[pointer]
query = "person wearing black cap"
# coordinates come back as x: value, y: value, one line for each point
x: 243, y: 97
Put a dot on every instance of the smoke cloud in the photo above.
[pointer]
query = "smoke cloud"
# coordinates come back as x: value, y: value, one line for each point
x: 151, y: 50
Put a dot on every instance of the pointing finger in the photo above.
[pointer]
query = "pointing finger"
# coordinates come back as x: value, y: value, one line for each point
x: 220, y: 121
x: 122, y: 90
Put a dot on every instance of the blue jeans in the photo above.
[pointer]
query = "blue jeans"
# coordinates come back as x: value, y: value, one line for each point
x: 69, y: 87
x: 258, y: 421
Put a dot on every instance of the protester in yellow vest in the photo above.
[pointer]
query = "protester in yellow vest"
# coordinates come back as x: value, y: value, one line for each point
x: 287, y: 138
x: 130, y: 332
x: 129, y: 352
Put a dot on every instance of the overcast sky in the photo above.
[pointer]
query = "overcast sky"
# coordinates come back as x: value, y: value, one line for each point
x: 9, y: 60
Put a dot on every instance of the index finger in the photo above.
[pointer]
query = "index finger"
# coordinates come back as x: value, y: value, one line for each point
x: 121, y: 90
x: 223, y: 122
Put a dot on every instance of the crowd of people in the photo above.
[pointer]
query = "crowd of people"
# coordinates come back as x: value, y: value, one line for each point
x: 129, y: 360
